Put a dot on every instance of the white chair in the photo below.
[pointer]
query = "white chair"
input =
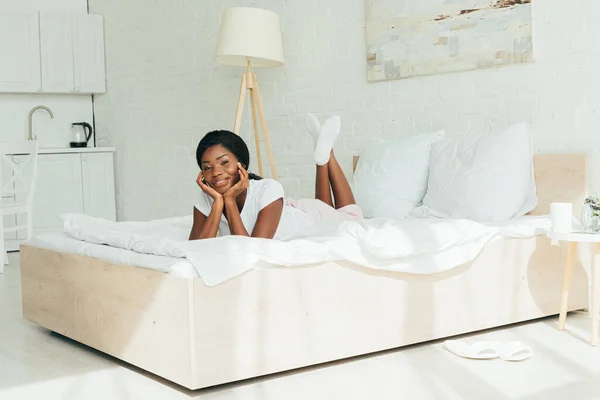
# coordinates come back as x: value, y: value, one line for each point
x: 18, y: 170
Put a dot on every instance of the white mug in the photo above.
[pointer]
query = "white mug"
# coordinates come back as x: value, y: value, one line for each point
x: 562, y: 217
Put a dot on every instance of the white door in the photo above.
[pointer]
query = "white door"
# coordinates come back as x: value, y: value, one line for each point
x: 19, y: 53
x: 99, y: 185
x: 56, y: 38
x: 58, y: 190
x: 88, y: 52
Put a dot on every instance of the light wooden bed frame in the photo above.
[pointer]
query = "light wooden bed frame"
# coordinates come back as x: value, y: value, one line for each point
x: 271, y: 320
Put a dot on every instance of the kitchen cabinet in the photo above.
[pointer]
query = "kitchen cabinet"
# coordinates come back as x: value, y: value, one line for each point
x: 58, y: 189
x: 20, y: 53
x: 88, y: 54
x: 72, y: 53
x: 98, y: 180
x: 56, y: 37
x: 52, y: 52
x: 69, y: 182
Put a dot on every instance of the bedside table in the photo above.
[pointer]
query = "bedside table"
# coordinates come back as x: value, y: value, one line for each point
x: 572, y: 239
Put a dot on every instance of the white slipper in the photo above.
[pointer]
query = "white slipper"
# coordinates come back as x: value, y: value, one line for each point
x: 478, y: 350
x: 515, y: 351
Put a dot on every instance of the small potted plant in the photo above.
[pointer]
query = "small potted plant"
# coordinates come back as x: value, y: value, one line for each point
x: 590, y: 214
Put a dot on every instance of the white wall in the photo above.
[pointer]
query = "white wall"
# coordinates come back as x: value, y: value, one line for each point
x: 165, y: 91
x: 14, y: 108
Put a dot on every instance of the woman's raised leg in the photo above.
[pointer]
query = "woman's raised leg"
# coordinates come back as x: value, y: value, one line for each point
x: 329, y: 174
x: 342, y: 193
x: 322, y: 188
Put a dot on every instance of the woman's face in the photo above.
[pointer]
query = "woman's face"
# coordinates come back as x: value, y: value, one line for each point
x: 219, y: 168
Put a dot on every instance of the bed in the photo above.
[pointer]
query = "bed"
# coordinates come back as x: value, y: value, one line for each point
x: 271, y: 320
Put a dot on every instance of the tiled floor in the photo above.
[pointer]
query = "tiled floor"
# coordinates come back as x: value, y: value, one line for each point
x: 37, y: 364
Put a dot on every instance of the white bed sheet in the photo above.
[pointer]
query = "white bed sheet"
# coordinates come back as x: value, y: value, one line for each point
x: 64, y: 243
x: 415, y: 246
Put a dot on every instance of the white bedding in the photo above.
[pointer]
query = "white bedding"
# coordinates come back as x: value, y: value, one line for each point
x: 417, y: 246
x: 66, y: 244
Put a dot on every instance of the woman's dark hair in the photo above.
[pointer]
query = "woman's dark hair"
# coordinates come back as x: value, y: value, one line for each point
x: 231, y: 142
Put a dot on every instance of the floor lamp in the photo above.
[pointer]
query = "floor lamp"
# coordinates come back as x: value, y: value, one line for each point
x: 251, y: 37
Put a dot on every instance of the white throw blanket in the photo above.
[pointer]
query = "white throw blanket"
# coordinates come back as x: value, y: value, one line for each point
x: 416, y: 246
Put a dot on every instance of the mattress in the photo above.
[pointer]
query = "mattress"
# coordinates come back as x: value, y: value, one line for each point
x: 64, y: 243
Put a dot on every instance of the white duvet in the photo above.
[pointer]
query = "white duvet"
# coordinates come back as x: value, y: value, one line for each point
x: 416, y: 246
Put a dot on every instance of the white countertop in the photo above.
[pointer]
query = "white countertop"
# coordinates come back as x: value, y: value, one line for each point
x: 62, y: 150
x: 52, y: 150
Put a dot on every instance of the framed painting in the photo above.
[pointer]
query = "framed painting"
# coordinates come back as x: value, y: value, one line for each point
x: 408, y: 38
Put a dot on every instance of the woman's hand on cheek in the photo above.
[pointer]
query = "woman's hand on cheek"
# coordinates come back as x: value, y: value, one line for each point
x: 239, y: 187
x: 207, y: 189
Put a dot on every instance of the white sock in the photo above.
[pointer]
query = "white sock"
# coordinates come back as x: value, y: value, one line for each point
x: 329, y: 132
x: 313, y: 126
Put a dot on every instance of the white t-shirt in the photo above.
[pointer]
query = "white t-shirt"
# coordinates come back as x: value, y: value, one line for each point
x: 260, y: 194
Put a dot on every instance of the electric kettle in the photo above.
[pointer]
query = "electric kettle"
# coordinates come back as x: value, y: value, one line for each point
x: 81, y: 133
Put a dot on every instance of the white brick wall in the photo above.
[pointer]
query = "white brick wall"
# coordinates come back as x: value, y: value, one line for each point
x: 165, y: 91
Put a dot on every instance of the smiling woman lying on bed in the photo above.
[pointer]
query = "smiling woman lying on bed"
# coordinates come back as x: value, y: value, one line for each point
x: 234, y: 201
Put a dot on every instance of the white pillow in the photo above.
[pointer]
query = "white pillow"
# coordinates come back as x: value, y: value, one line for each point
x: 484, y: 178
x: 531, y: 200
x: 391, y: 176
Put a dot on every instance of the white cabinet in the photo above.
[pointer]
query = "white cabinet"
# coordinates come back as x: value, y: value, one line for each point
x: 72, y: 53
x: 19, y: 53
x: 58, y: 189
x: 56, y: 41
x: 52, y: 52
x: 88, y: 54
x: 98, y: 185
x: 80, y: 183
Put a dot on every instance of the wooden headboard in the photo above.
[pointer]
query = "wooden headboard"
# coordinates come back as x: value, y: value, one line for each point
x: 558, y: 178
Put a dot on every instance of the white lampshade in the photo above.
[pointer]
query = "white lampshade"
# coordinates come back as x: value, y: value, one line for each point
x: 250, y: 32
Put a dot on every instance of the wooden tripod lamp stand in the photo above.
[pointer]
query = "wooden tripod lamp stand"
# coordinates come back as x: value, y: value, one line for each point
x: 251, y: 37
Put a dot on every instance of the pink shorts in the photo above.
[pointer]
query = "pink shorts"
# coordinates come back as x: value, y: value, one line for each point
x: 320, y: 211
